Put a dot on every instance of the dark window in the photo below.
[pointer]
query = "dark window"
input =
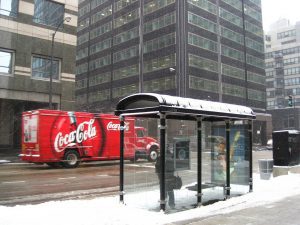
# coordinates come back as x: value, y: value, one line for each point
x: 48, y: 13
x: 9, y: 7
x: 41, y: 68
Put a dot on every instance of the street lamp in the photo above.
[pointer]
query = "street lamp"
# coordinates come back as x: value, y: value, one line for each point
x: 67, y: 19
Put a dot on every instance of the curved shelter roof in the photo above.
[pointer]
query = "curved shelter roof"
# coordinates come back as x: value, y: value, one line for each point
x: 151, y: 104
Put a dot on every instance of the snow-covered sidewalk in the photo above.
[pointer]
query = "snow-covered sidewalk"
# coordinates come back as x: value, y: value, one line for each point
x: 108, y: 210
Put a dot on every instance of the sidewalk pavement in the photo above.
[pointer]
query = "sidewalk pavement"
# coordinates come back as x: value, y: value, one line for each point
x: 284, y: 212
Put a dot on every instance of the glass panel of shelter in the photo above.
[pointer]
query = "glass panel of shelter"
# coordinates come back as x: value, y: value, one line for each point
x: 141, y: 183
x: 141, y: 175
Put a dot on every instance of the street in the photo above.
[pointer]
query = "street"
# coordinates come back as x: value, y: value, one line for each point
x: 23, y: 183
x: 27, y: 183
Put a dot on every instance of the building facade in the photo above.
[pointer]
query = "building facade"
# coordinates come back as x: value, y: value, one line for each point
x: 282, y: 48
x: 26, y: 28
x: 203, y: 49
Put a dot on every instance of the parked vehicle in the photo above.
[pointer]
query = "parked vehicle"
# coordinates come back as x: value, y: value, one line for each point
x: 66, y: 138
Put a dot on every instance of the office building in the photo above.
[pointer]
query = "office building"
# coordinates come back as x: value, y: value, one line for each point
x: 204, y: 49
x: 26, y: 28
x: 282, y: 48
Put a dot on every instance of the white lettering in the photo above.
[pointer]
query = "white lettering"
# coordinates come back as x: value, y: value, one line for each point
x: 116, y: 126
x: 83, y: 132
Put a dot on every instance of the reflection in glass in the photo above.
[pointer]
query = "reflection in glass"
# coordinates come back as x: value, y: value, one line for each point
x: 41, y: 68
x: 48, y: 12
x: 5, y: 62
x: 9, y: 8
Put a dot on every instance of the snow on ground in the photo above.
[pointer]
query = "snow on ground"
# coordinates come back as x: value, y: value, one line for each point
x: 108, y: 210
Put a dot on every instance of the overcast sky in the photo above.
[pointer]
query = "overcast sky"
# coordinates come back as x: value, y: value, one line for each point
x: 272, y: 10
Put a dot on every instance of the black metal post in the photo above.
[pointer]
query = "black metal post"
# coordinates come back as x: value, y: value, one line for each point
x: 162, y: 161
x: 250, y: 133
x: 227, y: 186
x: 199, y: 161
x: 51, y: 72
x: 51, y: 62
x: 122, y: 128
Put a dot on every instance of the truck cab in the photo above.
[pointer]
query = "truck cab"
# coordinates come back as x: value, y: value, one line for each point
x: 146, y: 147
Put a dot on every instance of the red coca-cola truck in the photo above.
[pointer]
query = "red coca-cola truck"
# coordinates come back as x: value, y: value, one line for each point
x: 67, y: 138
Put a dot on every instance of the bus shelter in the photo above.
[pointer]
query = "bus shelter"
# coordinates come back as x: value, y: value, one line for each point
x: 204, y: 154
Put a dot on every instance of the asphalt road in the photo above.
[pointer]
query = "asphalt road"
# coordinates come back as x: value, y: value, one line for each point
x: 29, y: 183
x: 24, y: 183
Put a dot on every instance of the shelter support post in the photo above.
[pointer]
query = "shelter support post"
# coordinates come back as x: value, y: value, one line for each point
x: 162, y: 161
x: 122, y: 123
x: 199, y: 161
x: 250, y: 156
x: 227, y: 185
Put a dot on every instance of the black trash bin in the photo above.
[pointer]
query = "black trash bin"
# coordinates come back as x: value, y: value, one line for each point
x: 286, y: 150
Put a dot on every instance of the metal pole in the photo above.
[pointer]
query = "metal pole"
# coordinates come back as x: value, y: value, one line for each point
x: 250, y: 156
x: 51, y: 72
x: 51, y: 63
x: 227, y: 186
x: 199, y: 161
x: 162, y: 162
x: 122, y: 123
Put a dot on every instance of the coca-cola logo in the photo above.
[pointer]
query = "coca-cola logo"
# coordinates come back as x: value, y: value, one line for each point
x: 116, y: 126
x: 84, y: 131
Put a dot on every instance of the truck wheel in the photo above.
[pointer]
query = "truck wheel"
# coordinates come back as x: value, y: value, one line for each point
x: 152, y: 155
x: 71, y: 159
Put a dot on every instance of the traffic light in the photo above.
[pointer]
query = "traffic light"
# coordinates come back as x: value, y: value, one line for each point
x: 290, y: 101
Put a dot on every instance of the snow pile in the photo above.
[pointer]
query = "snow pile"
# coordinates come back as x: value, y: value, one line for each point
x: 108, y: 210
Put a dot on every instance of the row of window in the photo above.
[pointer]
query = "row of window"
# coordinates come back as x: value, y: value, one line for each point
x: 234, y: 3
x: 203, y: 63
x: 285, y: 34
x: 160, y: 63
x: 150, y: 26
x: 40, y: 66
x: 225, y: 32
x: 286, y: 92
x: 100, y: 46
x: 160, y: 22
x: 292, y: 81
x: 126, y: 36
x: 254, y: 61
x: 287, y: 51
x: 292, y: 71
x: 198, y: 83
x: 210, y: 65
x: 122, y: 4
x: 99, y: 95
x: 100, y: 62
x: 253, y: 13
x: 101, y: 14
x: 154, y: 5
x: 286, y: 62
x: 205, y: 5
x: 46, y: 12
x: 126, y: 54
x: 159, y: 43
x: 126, y: 18
x: 202, y: 42
x: 161, y: 84
x: 98, y: 31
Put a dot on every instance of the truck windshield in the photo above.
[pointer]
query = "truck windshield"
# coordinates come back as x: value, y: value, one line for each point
x: 140, y: 133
